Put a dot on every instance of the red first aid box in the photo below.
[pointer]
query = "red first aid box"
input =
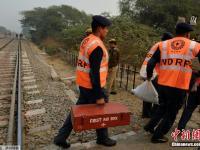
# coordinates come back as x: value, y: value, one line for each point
x: 93, y: 116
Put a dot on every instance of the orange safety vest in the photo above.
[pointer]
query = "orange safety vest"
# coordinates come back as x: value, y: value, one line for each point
x: 148, y: 57
x: 175, y: 62
x: 83, y: 65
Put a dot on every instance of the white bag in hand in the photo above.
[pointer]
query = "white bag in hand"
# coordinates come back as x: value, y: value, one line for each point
x: 146, y: 92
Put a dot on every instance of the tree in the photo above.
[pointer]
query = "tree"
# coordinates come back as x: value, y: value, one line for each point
x: 127, y: 8
x: 55, y: 23
x: 133, y: 38
x: 3, y: 30
x: 159, y: 13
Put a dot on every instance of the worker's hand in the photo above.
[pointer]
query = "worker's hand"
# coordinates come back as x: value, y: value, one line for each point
x: 100, y: 101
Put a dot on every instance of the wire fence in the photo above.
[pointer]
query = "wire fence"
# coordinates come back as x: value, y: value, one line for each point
x: 127, y: 75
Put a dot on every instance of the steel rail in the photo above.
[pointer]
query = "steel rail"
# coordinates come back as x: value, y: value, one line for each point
x: 11, y: 124
x: 19, y: 108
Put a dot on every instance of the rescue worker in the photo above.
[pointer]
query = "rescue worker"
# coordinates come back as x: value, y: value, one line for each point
x: 88, y: 31
x: 192, y: 102
x: 148, y: 108
x: 175, y: 58
x: 91, y: 74
x: 113, y: 66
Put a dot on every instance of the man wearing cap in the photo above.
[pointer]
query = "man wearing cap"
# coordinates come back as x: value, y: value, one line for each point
x: 175, y: 58
x: 91, y: 74
x: 113, y: 65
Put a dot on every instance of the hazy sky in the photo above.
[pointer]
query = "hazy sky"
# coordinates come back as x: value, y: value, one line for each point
x: 10, y: 9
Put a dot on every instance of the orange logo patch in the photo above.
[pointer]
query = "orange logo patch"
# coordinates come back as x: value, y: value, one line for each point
x: 177, y: 45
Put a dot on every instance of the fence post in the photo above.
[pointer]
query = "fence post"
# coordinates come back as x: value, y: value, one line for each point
x: 73, y: 59
x: 70, y: 57
x: 121, y: 74
x: 127, y: 77
x: 134, y: 76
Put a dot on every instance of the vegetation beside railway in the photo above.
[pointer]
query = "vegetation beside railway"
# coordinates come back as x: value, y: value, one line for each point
x: 139, y: 24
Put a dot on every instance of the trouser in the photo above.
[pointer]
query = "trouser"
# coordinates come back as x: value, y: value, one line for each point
x: 159, y: 114
x: 86, y: 97
x: 171, y: 100
x: 146, y: 110
x: 111, y: 80
x: 156, y: 116
x: 149, y: 109
x: 191, y: 105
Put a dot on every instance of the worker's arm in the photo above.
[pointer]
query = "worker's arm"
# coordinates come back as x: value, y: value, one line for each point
x: 152, y: 63
x: 95, y: 63
x: 199, y: 56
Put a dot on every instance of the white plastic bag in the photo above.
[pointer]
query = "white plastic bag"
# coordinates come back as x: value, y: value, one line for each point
x: 146, y: 92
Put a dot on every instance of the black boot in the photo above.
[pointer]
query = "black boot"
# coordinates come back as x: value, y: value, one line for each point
x: 147, y: 129
x: 159, y: 140
x: 113, y: 93
x: 107, y: 142
x: 61, y: 142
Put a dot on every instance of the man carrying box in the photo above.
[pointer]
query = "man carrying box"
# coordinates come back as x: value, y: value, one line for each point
x: 92, y: 68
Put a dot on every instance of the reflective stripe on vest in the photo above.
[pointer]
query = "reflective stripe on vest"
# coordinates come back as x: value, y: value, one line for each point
x: 89, y: 46
x: 87, y: 70
x: 179, y: 56
x: 146, y: 60
x: 189, y: 56
x: 151, y: 52
x: 177, y: 68
x: 83, y: 58
x: 191, y: 48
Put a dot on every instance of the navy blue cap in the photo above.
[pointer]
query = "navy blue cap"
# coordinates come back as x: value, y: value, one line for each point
x: 182, y: 28
x: 167, y: 36
x: 100, y: 20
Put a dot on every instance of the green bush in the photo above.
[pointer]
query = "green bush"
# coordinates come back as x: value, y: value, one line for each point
x: 51, y: 50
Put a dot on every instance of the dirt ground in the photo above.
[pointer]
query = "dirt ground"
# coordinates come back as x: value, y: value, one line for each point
x: 62, y: 68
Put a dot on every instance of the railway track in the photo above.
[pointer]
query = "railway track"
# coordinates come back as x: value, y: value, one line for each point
x: 9, y: 63
x: 22, y: 112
